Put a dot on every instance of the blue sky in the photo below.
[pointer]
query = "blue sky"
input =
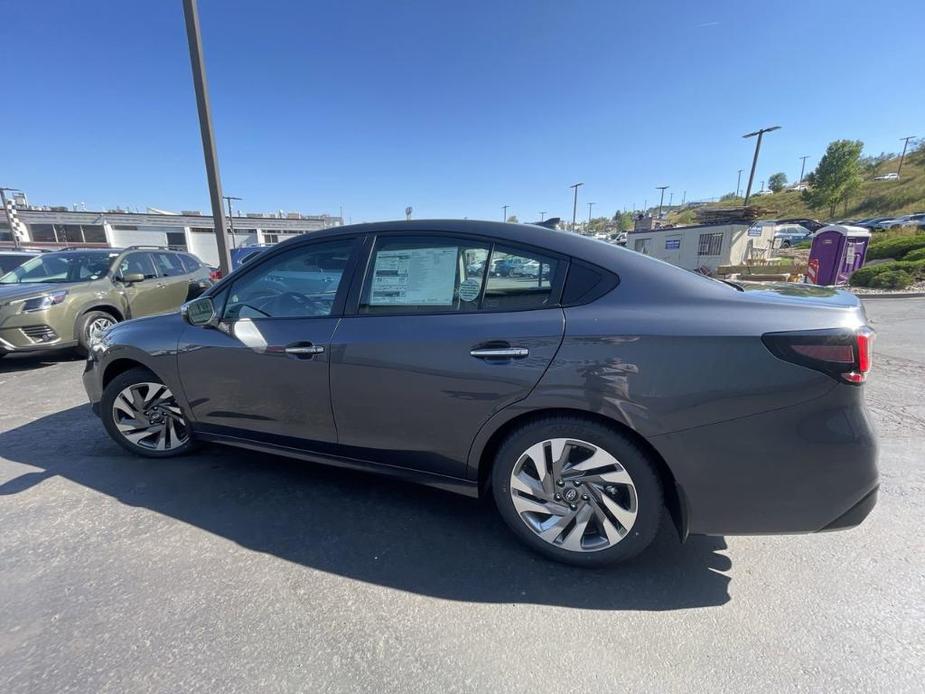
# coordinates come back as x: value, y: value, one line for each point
x: 455, y: 108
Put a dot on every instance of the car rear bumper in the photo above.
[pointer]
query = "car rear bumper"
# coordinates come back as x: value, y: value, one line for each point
x: 805, y: 468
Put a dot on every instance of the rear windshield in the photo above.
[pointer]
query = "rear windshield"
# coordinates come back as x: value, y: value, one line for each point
x: 58, y: 268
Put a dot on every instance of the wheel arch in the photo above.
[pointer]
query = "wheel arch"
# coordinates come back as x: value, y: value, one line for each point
x: 674, y: 494
x: 112, y: 310
x: 120, y: 366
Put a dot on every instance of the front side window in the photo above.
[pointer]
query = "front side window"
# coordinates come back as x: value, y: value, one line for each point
x: 61, y: 267
x: 710, y: 244
x: 425, y: 274
x: 169, y: 265
x: 301, y: 283
x: 138, y: 264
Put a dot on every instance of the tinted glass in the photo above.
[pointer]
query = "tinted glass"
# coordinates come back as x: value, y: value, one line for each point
x: 190, y: 264
x: 138, y: 263
x: 168, y: 264
x: 424, y: 274
x: 61, y: 267
x: 302, y: 283
x: 519, y: 279
x: 8, y: 262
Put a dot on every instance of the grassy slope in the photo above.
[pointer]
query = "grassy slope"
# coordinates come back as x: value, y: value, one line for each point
x: 876, y: 198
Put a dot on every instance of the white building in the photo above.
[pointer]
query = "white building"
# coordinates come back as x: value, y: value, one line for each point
x: 705, y: 245
x: 190, y: 231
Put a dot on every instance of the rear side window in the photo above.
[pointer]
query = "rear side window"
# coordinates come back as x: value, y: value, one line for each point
x: 423, y: 274
x: 169, y: 265
x: 519, y: 280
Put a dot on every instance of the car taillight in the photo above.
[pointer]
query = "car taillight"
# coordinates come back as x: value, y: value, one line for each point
x: 843, y: 354
x: 215, y: 275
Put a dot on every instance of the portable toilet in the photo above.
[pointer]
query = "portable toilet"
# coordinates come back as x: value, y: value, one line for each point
x: 837, y: 252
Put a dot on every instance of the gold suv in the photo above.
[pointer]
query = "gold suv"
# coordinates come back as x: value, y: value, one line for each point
x: 67, y: 298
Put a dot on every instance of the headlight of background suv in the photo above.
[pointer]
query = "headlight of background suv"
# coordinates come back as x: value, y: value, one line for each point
x: 40, y: 303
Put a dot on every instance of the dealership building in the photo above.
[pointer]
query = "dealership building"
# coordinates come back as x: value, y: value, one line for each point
x: 55, y: 228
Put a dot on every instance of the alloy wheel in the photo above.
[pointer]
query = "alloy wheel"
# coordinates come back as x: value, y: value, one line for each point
x: 147, y: 415
x: 97, y: 327
x: 574, y: 495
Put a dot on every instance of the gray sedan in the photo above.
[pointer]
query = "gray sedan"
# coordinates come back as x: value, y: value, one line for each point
x: 586, y: 398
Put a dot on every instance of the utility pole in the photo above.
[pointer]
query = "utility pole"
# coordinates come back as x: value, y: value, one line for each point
x: 903, y: 157
x: 228, y: 199
x: 9, y: 218
x: 504, y: 207
x: 661, y: 200
x: 684, y: 198
x: 739, y: 183
x: 543, y: 215
x: 751, y: 177
x: 802, y: 167
x: 197, y: 62
x: 575, y: 203
x: 670, y: 199
x: 590, y: 205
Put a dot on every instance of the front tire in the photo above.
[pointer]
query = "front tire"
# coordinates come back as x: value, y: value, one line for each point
x: 141, y: 414
x: 577, y: 491
x: 90, y: 326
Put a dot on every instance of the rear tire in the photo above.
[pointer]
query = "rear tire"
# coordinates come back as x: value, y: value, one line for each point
x: 91, y: 324
x: 598, y: 502
x: 141, y: 414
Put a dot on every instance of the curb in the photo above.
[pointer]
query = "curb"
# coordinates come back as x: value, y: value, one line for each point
x: 909, y: 295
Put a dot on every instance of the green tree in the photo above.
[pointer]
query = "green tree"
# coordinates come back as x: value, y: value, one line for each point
x: 513, y: 219
x: 777, y: 182
x: 837, y: 176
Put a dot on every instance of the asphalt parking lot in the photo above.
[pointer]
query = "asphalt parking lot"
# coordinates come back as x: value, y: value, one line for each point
x: 232, y: 571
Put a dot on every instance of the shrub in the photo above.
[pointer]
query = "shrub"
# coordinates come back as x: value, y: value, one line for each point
x: 892, y: 279
x: 866, y: 275
x: 917, y: 254
x: 895, y: 247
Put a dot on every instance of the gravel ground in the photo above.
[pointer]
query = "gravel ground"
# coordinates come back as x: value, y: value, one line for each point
x: 232, y: 571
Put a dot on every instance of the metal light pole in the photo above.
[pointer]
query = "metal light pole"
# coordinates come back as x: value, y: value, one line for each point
x: 739, y: 183
x: 542, y: 215
x: 590, y: 205
x: 575, y: 203
x: 751, y: 176
x: 661, y: 199
x: 504, y: 217
x: 670, y: 199
x: 228, y: 199
x: 6, y: 211
x: 802, y: 167
x: 903, y: 157
x: 197, y: 62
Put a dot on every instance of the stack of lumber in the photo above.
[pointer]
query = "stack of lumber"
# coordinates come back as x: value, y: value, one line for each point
x: 730, y: 215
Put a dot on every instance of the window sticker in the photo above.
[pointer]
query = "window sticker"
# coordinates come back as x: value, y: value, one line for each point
x: 469, y: 289
x: 414, y: 277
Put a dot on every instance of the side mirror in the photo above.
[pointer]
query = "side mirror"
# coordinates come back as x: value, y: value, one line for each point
x: 132, y: 278
x: 199, y: 311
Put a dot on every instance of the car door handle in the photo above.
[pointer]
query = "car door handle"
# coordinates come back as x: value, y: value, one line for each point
x: 499, y: 352
x: 302, y: 350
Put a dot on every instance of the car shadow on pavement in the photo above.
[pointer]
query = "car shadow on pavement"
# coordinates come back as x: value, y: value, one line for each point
x: 36, y: 360
x: 360, y: 525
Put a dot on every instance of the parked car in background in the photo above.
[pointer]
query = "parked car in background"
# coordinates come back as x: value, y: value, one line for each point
x: 585, y: 403
x: 787, y: 235
x: 13, y: 259
x: 810, y: 224
x: 893, y: 176
x: 244, y: 254
x: 909, y: 220
x: 68, y: 298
